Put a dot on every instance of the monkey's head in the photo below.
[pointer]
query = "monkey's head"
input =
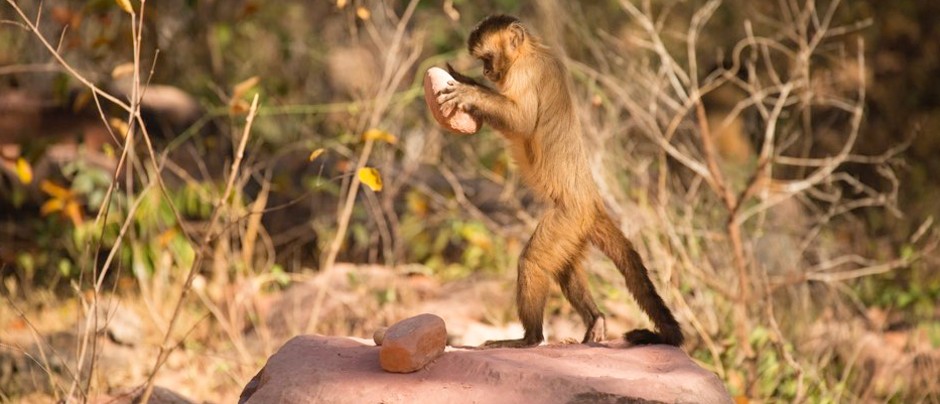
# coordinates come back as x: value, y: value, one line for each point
x: 497, y: 41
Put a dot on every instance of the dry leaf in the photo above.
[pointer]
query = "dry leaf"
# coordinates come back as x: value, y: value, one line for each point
x: 24, y: 171
x: 126, y: 6
x: 55, y: 190
x: 363, y: 13
x: 81, y: 101
x: 51, y: 206
x: 371, y: 177
x: 239, y: 107
x: 379, y: 135
x: 122, y: 70
x: 166, y: 237
x: 73, y: 211
x: 242, y: 88
x: 417, y: 203
x: 61, y: 199
x: 119, y: 126
x: 314, y: 154
x: 63, y: 15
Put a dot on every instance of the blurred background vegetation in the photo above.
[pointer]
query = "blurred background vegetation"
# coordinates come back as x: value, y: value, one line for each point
x: 773, y: 160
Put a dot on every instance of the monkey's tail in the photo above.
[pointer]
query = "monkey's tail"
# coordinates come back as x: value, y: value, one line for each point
x: 609, y: 239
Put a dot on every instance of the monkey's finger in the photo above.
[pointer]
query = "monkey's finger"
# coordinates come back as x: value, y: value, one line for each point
x: 446, y: 90
x: 446, y: 97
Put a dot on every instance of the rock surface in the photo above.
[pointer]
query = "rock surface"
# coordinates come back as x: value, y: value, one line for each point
x: 311, y: 369
x: 161, y: 395
x: 410, y: 344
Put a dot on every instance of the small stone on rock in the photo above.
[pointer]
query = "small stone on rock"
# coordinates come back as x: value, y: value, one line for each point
x: 412, y: 343
x: 379, y: 335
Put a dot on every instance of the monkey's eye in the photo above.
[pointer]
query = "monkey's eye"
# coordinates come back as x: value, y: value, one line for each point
x: 487, y: 62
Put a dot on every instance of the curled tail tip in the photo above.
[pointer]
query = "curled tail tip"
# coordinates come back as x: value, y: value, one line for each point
x: 647, y: 337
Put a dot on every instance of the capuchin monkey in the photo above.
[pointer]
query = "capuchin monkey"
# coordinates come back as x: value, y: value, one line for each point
x: 532, y: 107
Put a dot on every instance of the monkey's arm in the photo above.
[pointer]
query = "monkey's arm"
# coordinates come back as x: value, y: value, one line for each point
x: 511, y: 116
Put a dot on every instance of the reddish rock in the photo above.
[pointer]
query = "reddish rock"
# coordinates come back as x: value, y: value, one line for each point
x: 410, y: 344
x: 458, y: 121
x: 316, y: 369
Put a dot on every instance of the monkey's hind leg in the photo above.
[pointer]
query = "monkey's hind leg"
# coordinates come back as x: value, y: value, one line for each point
x: 531, y: 293
x: 552, y: 246
x: 574, y: 285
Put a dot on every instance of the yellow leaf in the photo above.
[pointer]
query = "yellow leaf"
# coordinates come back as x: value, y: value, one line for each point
x: 119, y: 126
x: 122, y: 70
x: 74, y: 212
x: 314, y: 154
x: 340, y: 4
x: 380, y: 135
x: 242, y: 88
x: 126, y: 6
x: 108, y: 150
x: 54, y: 190
x: 166, y: 237
x: 417, y: 203
x: 24, y: 171
x: 51, y: 206
x: 371, y: 177
x: 363, y: 13
x: 476, y: 237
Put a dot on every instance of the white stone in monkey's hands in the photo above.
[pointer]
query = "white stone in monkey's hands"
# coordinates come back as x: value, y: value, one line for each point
x: 458, y: 121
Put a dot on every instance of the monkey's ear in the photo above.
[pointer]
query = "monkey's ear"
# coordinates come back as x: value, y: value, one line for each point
x: 516, y: 35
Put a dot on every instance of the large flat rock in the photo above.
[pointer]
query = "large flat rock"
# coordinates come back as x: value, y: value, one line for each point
x: 311, y: 369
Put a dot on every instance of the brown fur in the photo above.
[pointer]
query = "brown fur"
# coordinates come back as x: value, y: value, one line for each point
x: 532, y: 107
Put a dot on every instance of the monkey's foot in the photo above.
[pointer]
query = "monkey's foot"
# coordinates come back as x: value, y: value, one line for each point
x: 512, y: 343
x: 596, y: 332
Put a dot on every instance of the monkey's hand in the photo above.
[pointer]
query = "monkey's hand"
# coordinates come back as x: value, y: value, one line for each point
x: 457, y: 95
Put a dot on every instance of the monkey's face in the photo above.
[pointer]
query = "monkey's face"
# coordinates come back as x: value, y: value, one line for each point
x: 492, y: 66
x: 498, y: 50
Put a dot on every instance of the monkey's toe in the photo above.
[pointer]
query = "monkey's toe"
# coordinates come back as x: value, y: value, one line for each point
x: 597, y: 332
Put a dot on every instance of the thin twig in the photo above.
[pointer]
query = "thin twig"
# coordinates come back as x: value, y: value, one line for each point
x: 346, y: 212
x: 201, y: 249
x: 65, y: 64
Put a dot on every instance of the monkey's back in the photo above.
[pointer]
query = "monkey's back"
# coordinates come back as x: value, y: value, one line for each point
x: 553, y: 160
